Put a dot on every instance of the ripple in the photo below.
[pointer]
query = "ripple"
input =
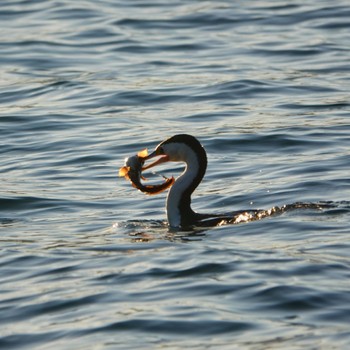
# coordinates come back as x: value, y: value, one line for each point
x: 200, y: 328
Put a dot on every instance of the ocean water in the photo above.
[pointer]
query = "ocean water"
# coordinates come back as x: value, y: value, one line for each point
x: 86, y: 261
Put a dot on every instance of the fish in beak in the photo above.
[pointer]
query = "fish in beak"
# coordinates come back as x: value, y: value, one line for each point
x: 132, y: 170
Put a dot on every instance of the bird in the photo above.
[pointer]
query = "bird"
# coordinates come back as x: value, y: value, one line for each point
x: 187, y: 149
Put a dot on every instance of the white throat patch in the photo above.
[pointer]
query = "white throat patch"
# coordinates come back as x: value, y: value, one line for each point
x: 178, y: 152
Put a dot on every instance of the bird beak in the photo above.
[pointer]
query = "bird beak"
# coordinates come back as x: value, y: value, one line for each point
x: 162, y: 159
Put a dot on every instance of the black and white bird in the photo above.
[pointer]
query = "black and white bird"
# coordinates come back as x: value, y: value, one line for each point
x: 187, y: 149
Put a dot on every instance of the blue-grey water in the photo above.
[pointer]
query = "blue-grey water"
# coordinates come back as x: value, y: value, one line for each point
x: 86, y: 261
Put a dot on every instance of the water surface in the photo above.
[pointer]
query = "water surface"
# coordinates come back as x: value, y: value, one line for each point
x: 87, y: 261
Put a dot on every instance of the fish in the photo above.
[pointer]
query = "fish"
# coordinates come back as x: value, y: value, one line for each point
x: 132, y: 170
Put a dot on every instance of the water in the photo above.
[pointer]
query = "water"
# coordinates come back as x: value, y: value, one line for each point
x: 86, y: 260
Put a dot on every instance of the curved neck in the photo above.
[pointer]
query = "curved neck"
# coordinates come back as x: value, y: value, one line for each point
x: 178, y: 205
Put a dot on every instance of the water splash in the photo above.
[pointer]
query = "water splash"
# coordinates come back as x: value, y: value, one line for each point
x: 253, y: 215
x: 146, y: 230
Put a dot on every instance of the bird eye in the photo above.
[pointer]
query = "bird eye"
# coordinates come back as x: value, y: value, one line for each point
x: 160, y: 151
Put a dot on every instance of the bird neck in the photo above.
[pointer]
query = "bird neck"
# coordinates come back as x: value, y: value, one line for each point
x: 178, y: 205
